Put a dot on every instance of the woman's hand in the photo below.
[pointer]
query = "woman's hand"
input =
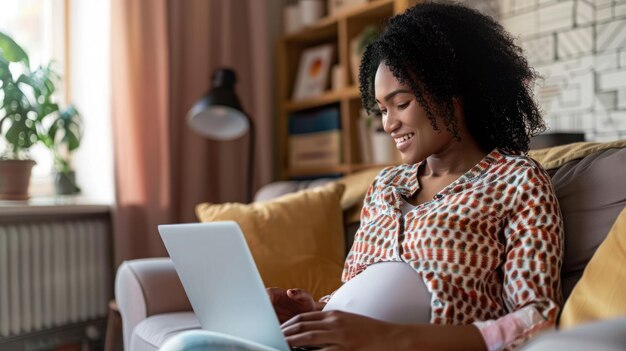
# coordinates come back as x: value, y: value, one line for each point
x: 290, y: 302
x: 336, y: 330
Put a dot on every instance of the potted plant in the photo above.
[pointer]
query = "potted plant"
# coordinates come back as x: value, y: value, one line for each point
x: 357, y: 48
x: 26, y: 111
x: 63, y: 137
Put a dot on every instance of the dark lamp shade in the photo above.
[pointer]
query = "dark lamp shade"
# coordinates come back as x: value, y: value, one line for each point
x: 218, y: 115
x: 219, y: 122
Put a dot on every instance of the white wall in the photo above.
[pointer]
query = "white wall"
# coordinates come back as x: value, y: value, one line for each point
x: 91, y: 93
x: 579, y: 47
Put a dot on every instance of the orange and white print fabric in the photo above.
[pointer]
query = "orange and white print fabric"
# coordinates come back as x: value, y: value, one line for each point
x: 489, y: 246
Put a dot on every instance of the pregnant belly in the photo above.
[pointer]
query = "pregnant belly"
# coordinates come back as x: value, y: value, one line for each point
x: 388, y: 291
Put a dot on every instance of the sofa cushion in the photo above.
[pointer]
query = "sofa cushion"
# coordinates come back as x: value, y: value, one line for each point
x: 591, y: 193
x: 296, y: 240
x: 277, y: 189
x: 555, y: 157
x: 356, y: 185
x: 153, y: 331
x: 600, y: 293
x: 607, y: 335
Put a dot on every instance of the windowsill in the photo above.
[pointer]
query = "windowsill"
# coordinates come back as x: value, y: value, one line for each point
x: 54, y: 205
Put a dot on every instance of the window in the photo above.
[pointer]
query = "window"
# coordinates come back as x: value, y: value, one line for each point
x: 76, y: 35
x: 39, y: 27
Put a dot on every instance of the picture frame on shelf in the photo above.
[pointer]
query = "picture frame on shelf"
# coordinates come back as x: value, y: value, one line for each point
x: 313, y: 72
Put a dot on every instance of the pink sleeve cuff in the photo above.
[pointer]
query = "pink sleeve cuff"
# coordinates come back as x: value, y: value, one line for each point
x: 514, y: 328
x: 499, y: 333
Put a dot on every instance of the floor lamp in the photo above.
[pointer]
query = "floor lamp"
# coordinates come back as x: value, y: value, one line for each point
x: 218, y: 116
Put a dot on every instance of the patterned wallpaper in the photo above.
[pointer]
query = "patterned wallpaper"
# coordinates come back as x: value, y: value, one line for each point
x: 579, y: 47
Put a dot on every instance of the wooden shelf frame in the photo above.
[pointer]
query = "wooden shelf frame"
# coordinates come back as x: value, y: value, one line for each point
x: 338, y: 29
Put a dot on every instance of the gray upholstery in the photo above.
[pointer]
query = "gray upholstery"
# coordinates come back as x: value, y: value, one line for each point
x: 606, y: 335
x: 276, y: 189
x: 591, y: 193
x: 152, y: 332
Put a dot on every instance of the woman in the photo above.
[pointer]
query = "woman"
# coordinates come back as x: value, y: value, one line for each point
x: 476, y: 220
x: 467, y: 226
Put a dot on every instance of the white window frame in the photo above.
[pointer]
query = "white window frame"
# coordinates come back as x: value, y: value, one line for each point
x: 55, y: 25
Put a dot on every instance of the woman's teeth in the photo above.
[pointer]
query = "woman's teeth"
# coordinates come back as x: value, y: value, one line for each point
x: 404, y: 138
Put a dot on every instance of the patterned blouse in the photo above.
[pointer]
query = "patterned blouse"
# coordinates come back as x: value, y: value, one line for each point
x: 488, y: 246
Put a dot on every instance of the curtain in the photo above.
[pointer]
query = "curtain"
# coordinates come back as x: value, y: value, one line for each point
x: 163, y: 54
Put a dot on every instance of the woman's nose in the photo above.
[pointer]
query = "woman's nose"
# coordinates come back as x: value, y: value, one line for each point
x: 390, y: 123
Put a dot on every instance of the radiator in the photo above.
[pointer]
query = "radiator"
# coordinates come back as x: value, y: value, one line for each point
x: 53, y: 273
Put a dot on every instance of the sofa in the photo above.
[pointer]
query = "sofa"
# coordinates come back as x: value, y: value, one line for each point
x: 589, y: 180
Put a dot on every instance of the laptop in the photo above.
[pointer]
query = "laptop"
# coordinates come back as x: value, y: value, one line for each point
x: 222, y: 282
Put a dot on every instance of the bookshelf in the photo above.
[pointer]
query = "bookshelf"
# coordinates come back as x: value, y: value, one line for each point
x: 339, y: 30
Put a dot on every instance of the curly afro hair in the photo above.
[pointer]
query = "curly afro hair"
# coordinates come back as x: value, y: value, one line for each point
x: 448, y: 51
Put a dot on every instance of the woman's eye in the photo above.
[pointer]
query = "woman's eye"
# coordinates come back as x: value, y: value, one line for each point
x: 383, y: 111
x: 403, y: 106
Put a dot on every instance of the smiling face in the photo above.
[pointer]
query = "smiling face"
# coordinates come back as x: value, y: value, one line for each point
x: 406, y: 120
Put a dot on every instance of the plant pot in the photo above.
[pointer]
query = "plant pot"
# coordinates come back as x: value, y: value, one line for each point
x: 15, y: 179
x: 65, y: 183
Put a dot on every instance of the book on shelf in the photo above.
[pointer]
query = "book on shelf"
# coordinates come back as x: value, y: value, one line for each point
x: 315, y: 149
x: 315, y: 138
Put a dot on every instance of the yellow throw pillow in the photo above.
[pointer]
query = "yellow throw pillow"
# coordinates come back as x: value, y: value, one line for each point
x: 296, y: 240
x: 356, y: 188
x: 555, y: 157
x: 601, y: 291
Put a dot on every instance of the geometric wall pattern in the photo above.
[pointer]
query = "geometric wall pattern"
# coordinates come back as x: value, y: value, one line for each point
x: 579, y: 48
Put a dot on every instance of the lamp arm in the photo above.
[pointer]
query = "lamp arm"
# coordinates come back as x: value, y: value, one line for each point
x: 251, y: 140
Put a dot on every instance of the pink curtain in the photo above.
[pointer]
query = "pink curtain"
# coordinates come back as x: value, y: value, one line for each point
x: 164, y: 52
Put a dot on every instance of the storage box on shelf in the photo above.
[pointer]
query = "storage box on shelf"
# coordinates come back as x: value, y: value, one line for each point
x: 338, y: 29
x: 315, y: 137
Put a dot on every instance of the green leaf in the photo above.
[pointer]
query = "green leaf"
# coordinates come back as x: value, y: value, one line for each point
x: 29, y: 81
x: 21, y: 136
x: 49, y: 85
x: 69, y: 124
x: 52, y: 134
x: 4, y: 119
x: 72, y: 140
x: 70, y: 113
x: 28, y: 113
x: 12, y: 51
x: 46, y: 109
x: 366, y: 37
x: 5, y: 73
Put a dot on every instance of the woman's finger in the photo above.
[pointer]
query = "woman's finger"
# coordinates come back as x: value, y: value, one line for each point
x: 304, y: 317
x: 313, y: 338
x: 294, y: 293
x: 303, y: 327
